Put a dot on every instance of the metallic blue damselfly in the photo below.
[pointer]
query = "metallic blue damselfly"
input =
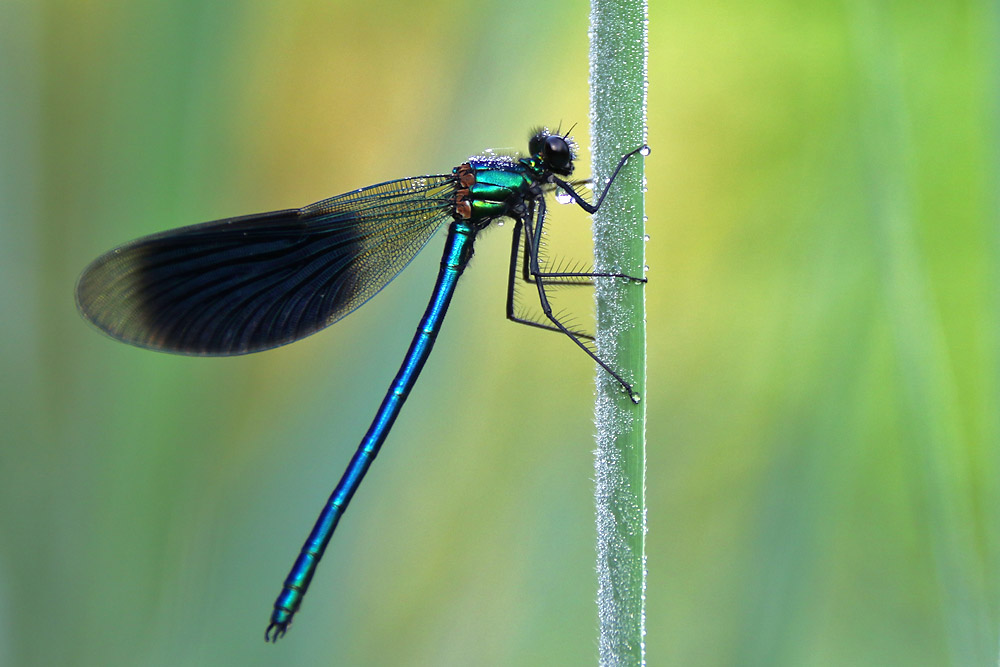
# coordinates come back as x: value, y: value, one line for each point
x: 252, y: 283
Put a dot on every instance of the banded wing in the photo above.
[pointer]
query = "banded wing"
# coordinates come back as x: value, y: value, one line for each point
x: 247, y: 284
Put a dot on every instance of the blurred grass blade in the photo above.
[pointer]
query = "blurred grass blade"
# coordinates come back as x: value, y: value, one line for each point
x: 929, y: 400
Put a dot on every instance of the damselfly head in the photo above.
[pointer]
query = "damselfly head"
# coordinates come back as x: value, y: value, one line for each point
x: 554, y: 151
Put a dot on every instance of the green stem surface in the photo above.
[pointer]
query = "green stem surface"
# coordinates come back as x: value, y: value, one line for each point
x: 618, y: 51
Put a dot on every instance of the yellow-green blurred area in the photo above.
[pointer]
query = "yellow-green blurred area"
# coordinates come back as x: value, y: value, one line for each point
x: 824, y: 369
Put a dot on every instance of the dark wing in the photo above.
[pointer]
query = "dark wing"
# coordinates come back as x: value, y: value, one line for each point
x: 248, y: 284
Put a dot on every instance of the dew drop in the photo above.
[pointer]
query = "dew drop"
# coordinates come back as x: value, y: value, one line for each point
x: 644, y: 151
x: 563, y: 198
x: 645, y: 237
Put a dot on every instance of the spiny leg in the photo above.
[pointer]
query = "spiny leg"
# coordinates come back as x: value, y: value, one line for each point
x: 583, y: 203
x: 512, y: 277
x: 578, y: 277
x: 590, y: 208
x: 547, y: 308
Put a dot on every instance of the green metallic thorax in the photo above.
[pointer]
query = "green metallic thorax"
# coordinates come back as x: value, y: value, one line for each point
x: 491, y: 188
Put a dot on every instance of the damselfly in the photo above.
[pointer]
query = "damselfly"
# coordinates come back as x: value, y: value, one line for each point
x: 251, y: 283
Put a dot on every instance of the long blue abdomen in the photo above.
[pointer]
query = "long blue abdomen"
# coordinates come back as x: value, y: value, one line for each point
x: 458, y: 251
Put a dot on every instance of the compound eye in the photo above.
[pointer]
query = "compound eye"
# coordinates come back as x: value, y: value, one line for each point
x: 556, y: 152
x: 535, y: 144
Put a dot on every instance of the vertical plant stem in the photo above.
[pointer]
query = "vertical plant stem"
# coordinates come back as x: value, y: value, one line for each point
x: 618, y: 46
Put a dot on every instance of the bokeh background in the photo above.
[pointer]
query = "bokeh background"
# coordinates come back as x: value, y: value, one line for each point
x: 824, y: 373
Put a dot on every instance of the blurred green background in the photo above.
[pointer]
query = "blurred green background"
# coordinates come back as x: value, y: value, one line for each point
x: 824, y: 370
